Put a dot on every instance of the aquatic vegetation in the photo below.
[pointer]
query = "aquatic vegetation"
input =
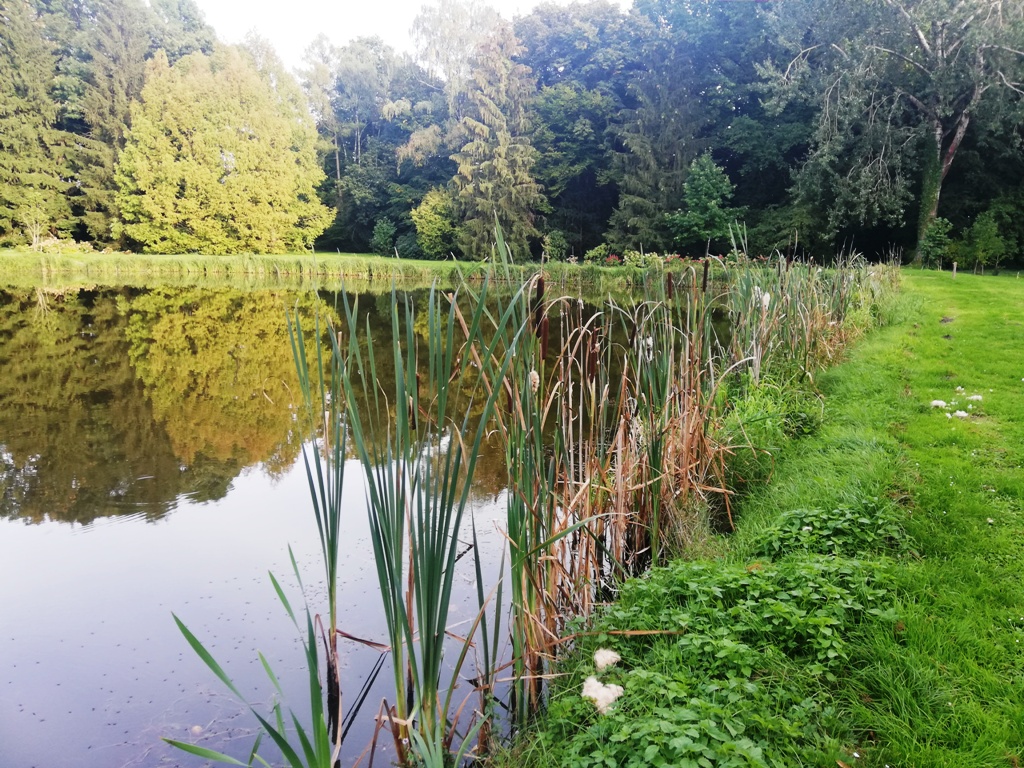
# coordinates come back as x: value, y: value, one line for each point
x: 611, y: 421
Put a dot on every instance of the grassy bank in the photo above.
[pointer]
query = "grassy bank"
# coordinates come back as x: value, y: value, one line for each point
x: 870, y: 609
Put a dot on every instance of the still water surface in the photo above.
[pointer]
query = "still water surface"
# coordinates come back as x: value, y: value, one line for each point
x: 150, y: 463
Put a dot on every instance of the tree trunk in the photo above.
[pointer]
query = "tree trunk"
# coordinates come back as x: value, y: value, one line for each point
x: 337, y: 168
x: 931, y: 186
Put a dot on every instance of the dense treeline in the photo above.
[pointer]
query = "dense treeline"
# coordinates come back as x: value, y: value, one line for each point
x: 584, y: 129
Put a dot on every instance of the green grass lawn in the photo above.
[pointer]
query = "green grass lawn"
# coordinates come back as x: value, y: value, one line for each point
x: 870, y: 609
x: 945, y: 685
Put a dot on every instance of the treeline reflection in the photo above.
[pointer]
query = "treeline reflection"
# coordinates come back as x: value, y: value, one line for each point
x: 121, y: 401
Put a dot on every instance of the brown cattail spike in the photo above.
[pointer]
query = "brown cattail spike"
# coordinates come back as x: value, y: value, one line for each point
x: 538, y: 304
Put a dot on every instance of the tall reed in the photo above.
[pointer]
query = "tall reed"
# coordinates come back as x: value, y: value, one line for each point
x: 418, y: 445
x: 610, y: 420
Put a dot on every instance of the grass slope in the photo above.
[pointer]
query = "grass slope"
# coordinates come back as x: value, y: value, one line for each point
x: 946, y: 688
x: 870, y: 610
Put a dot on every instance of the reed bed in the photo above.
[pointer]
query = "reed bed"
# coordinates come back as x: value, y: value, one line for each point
x: 611, y: 421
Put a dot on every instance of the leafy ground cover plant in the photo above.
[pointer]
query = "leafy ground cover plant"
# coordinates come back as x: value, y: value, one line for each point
x: 870, y: 526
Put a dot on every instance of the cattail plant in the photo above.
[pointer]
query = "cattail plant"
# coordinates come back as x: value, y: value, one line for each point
x: 418, y: 445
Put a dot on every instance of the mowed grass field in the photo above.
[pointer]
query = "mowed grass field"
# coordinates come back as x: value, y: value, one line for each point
x: 944, y: 686
x: 938, y: 680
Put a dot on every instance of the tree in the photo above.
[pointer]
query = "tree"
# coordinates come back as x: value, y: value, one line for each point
x: 33, y: 153
x: 583, y: 55
x: 114, y: 46
x: 985, y: 243
x: 181, y: 30
x: 436, y: 230
x: 494, y: 179
x: 705, y: 220
x: 659, y: 140
x: 220, y: 158
x: 892, y: 77
x: 934, y: 245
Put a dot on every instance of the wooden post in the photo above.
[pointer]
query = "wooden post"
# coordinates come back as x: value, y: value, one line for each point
x: 954, y: 270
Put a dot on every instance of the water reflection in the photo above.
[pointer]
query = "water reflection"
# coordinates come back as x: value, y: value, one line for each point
x: 120, y: 401
x: 117, y: 406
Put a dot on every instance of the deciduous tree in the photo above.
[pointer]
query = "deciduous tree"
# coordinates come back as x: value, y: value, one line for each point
x: 220, y: 158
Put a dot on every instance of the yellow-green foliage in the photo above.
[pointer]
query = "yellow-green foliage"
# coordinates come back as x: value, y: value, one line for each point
x: 435, y: 224
x: 220, y: 159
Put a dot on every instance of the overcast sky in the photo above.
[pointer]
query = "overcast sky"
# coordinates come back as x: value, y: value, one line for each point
x: 291, y: 25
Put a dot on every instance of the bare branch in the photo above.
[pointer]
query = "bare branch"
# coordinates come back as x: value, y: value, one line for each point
x: 902, y: 57
x: 925, y: 46
x: 1015, y: 87
x: 802, y: 56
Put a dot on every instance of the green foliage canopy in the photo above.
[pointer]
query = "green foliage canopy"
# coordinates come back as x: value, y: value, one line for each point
x: 706, y: 217
x: 220, y: 159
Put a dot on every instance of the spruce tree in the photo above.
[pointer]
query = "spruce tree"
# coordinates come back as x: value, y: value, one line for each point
x: 494, y: 177
x: 33, y: 167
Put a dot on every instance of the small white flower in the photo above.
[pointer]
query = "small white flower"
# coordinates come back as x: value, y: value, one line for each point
x: 960, y: 389
x: 605, y: 657
x: 961, y: 414
x: 975, y: 398
x: 938, y: 403
x: 602, y: 695
x: 949, y: 415
x: 991, y: 521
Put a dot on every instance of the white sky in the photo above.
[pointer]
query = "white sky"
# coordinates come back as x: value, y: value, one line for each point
x: 291, y: 25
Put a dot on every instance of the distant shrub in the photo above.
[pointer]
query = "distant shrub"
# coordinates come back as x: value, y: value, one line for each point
x: 56, y: 245
x: 436, y: 230
x: 556, y: 246
x: 383, y: 240
x: 408, y: 246
x: 598, y: 255
x: 934, y: 245
x: 642, y: 260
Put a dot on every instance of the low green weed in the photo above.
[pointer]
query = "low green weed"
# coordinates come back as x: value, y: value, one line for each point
x: 871, y: 526
x: 716, y: 661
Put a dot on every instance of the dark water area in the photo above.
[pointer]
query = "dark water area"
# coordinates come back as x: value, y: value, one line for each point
x: 150, y: 464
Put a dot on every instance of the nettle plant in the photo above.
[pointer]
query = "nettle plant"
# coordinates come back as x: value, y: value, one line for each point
x: 870, y: 526
x: 711, y: 654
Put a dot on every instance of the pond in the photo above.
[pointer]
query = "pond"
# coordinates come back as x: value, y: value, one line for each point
x: 150, y: 463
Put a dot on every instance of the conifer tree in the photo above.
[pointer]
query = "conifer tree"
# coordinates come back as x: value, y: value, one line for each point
x: 494, y: 178
x: 33, y: 167
x: 220, y: 158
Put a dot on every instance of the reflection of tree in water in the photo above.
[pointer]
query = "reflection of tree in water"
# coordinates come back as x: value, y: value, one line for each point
x: 120, y: 401
x: 217, y: 367
x: 77, y: 435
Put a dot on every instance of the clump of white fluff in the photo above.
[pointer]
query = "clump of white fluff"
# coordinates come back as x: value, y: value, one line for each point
x: 601, y: 694
x: 938, y: 403
x: 961, y: 414
x: 605, y: 657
